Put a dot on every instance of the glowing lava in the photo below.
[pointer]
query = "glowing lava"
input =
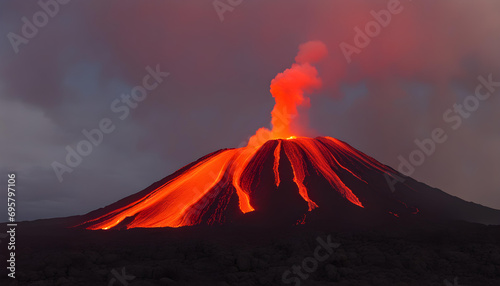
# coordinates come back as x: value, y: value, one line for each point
x: 280, y: 175
x: 229, y: 176
x: 277, y: 156
x: 227, y: 183
x: 176, y: 203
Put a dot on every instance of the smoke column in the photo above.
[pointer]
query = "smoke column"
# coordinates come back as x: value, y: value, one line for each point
x: 289, y: 90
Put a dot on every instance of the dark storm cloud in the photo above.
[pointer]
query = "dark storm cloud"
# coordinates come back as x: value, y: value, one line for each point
x: 394, y: 91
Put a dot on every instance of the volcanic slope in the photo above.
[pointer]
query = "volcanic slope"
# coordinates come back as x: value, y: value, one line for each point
x: 284, y: 181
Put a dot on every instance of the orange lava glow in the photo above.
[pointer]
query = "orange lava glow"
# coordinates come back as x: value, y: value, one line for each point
x: 301, y: 221
x: 276, y: 165
x: 173, y: 203
x: 184, y: 199
x: 216, y: 181
x: 243, y: 159
x: 314, y: 152
x: 299, y: 172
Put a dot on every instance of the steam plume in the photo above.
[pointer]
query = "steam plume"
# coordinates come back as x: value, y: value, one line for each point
x: 289, y: 90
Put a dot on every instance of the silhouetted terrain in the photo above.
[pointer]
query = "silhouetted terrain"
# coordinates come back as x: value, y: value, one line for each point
x: 395, y: 252
x: 323, y: 214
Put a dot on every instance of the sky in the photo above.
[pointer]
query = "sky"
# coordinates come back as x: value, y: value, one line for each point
x: 203, y: 71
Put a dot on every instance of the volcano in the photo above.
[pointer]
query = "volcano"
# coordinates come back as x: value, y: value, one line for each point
x: 281, y: 179
x: 284, y: 181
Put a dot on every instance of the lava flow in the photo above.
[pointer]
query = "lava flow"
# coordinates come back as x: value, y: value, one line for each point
x: 281, y: 176
x: 278, y: 171
x: 206, y: 190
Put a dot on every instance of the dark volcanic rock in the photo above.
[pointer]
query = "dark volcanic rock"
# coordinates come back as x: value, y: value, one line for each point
x: 420, y: 254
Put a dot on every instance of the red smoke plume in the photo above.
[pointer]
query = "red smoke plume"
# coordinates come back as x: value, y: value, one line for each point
x: 288, y: 89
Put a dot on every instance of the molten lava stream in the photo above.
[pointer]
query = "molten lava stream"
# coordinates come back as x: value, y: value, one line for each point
x: 356, y: 156
x: 172, y: 204
x: 276, y: 166
x: 350, y: 152
x: 319, y: 161
x: 299, y: 169
x: 332, y: 160
x: 241, y: 160
x: 169, y: 205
